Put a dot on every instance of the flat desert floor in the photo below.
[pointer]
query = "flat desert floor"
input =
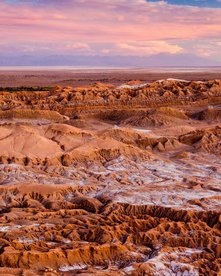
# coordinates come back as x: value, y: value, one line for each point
x: 80, y: 77
x: 114, y: 173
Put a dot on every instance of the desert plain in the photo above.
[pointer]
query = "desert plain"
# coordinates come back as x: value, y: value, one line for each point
x: 110, y: 173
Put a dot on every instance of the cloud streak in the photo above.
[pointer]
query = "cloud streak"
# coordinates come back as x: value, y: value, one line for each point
x: 101, y: 27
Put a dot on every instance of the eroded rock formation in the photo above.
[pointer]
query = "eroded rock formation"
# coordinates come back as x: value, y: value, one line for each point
x: 106, y: 180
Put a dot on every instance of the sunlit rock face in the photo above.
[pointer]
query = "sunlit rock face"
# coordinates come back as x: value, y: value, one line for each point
x: 111, y: 180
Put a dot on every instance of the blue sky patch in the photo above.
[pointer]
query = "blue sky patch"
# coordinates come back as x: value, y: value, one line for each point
x: 198, y: 3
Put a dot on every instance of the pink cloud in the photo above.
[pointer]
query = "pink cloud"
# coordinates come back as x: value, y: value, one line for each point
x: 147, y: 48
x: 83, y: 25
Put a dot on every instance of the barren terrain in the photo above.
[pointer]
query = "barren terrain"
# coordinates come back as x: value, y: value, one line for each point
x: 13, y: 77
x: 111, y: 178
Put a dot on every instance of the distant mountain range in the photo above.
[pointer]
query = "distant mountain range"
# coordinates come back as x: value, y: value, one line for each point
x: 109, y: 61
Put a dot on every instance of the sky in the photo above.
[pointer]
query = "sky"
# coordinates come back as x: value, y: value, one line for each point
x: 110, y: 32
